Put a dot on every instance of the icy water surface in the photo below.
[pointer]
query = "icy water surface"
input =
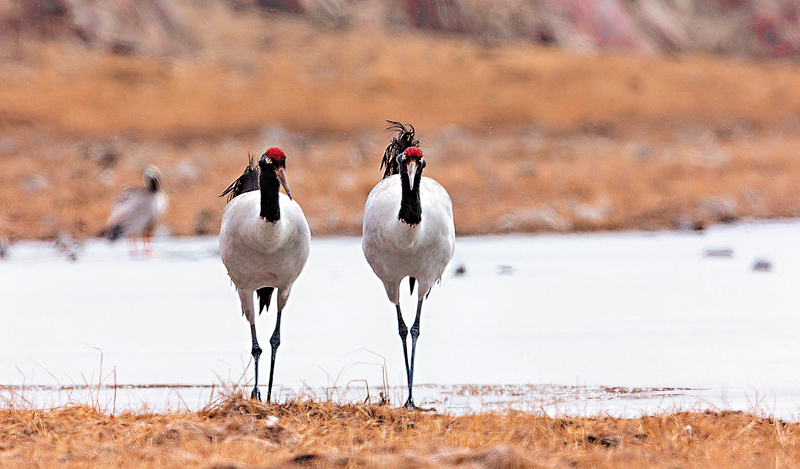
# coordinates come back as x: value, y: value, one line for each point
x: 623, y: 323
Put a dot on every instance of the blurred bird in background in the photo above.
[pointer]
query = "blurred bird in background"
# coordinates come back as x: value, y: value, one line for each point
x: 137, y: 211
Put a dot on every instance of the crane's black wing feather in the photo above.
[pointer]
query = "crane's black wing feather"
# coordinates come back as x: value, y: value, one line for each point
x: 405, y: 138
x: 247, y: 182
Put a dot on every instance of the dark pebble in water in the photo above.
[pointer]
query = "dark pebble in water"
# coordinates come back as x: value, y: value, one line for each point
x: 762, y: 265
x: 718, y: 252
x: 506, y: 269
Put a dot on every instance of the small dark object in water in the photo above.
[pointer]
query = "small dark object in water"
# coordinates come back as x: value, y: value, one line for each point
x: 460, y: 271
x: 506, y: 269
x: 725, y: 252
x: 605, y: 441
x: 762, y: 265
x: 698, y: 225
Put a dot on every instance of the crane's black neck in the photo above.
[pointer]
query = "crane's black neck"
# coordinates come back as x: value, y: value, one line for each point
x: 410, y: 207
x: 270, y: 188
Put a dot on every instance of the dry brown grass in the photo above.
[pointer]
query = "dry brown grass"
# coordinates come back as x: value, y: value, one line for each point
x: 236, y: 432
x: 524, y: 138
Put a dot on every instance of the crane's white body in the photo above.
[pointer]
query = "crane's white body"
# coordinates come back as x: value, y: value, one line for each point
x: 137, y: 211
x: 260, y: 254
x: 395, y: 249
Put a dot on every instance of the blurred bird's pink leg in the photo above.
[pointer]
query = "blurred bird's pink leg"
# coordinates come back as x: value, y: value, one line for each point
x: 132, y: 246
x: 148, y: 247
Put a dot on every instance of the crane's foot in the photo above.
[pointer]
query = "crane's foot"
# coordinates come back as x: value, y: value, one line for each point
x: 256, y: 394
x: 411, y: 406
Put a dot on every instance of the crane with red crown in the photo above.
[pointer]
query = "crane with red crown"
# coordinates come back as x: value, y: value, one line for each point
x: 408, y: 232
x: 263, y: 242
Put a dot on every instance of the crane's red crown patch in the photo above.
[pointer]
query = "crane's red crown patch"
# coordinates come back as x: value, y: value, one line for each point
x: 413, y: 152
x: 276, y: 154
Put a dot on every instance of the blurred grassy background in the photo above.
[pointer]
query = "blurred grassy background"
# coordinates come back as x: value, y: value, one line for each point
x: 556, y: 115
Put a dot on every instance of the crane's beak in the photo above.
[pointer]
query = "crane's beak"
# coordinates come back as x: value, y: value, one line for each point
x: 281, y: 173
x: 412, y: 171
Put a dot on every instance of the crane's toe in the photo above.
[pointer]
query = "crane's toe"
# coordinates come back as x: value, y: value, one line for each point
x: 256, y: 394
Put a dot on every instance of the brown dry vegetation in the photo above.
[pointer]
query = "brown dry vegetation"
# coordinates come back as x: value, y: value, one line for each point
x: 239, y: 433
x: 524, y: 138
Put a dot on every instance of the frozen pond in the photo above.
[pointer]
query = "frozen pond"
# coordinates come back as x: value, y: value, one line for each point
x: 624, y: 323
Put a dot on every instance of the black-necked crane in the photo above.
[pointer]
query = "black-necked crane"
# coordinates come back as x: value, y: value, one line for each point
x: 263, y: 242
x: 137, y: 210
x: 408, y: 231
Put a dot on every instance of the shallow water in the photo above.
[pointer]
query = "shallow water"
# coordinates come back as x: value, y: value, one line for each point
x: 569, y: 323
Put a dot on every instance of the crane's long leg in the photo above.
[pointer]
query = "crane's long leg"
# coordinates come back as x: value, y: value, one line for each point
x: 256, y: 351
x: 403, y: 331
x: 414, y: 335
x: 275, y: 341
x: 246, y: 298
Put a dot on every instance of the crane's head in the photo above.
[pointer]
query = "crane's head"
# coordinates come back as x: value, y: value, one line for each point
x: 151, y: 176
x: 412, y: 163
x: 274, y: 160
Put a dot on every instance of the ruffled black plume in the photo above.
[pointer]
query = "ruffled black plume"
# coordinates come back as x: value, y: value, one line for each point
x: 404, y: 139
x: 247, y: 182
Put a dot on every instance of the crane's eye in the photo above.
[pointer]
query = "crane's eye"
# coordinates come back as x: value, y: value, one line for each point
x: 269, y: 160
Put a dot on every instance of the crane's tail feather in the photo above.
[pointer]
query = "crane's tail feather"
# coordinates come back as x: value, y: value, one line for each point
x: 411, y: 282
x: 264, y: 297
x: 405, y: 138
